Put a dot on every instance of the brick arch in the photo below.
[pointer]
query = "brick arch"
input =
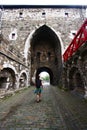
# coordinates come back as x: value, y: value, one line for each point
x: 46, y: 69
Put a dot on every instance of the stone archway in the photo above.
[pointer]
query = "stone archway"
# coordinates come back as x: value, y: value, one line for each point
x: 75, y: 80
x: 45, y: 48
x: 22, y: 80
x: 7, y: 79
x: 42, y: 69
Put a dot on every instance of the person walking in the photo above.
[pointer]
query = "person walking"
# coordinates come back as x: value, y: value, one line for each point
x: 38, y: 88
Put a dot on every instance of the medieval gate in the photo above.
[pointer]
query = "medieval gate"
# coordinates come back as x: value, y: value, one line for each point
x: 46, y: 54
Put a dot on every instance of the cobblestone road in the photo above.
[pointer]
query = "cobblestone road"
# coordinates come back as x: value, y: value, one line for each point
x: 58, y: 110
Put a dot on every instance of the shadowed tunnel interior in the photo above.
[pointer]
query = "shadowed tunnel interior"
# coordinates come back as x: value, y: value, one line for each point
x: 44, y: 33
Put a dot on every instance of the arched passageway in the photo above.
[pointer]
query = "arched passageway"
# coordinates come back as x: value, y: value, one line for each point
x: 7, y: 79
x: 46, y: 51
x: 42, y: 69
x: 22, y: 80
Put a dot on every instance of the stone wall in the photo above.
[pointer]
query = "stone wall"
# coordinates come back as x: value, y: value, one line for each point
x: 12, y: 66
x: 75, y: 72
x: 18, y: 26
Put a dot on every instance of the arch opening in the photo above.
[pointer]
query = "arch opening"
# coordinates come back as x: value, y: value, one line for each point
x: 46, y: 51
x: 47, y: 72
x: 7, y: 79
x: 45, y: 77
x: 22, y: 80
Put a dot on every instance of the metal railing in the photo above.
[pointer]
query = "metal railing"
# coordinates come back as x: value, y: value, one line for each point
x: 79, y: 39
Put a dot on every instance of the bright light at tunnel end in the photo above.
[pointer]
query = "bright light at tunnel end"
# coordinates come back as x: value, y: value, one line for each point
x: 43, y: 74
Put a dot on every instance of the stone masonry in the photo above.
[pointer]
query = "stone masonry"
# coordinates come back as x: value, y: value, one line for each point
x: 33, y: 40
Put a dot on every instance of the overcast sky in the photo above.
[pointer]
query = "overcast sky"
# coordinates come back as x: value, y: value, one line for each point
x: 43, y: 2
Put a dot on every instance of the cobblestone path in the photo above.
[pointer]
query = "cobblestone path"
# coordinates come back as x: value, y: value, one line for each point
x: 58, y: 110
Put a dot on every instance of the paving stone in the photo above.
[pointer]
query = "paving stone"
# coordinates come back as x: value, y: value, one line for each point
x: 35, y: 129
x: 19, y: 128
x: 58, y: 110
x: 3, y: 129
x: 12, y: 128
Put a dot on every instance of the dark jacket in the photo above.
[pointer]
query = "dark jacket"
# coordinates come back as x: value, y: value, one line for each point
x: 38, y: 83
